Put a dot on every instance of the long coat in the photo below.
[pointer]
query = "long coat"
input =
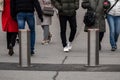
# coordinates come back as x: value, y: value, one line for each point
x: 8, y: 24
x: 47, y: 20
x: 100, y: 19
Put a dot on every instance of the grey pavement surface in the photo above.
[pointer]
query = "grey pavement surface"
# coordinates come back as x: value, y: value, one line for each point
x: 51, y: 63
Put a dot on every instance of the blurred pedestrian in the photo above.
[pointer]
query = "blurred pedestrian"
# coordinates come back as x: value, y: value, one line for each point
x: 10, y: 26
x: 25, y: 13
x: 113, y: 18
x: 67, y: 12
x: 97, y: 6
x: 47, y: 22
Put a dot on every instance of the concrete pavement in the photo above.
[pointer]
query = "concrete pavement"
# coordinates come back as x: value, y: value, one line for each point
x: 51, y: 63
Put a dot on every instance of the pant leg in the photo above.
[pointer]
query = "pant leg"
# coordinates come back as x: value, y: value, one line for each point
x: 101, y: 35
x: 13, y: 38
x: 73, y: 27
x: 45, y: 31
x: 111, y: 23
x: 8, y: 37
x: 117, y: 28
x: 63, y: 23
x: 21, y: 20
x: 31, y: 23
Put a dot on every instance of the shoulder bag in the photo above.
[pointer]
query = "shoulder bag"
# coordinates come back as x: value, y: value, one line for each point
x: 48, y: 11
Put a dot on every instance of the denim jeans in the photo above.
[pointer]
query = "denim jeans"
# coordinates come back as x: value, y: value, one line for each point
x: 23, y: 17
x: 114, y: 26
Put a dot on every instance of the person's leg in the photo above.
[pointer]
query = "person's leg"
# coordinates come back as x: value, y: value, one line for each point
x: 111, y: 23
x: 73, y: 26
x: 13, y: 38
x: 45, y: 34
x: 117, y: 28
x: 45, y: 31
x: 8, y: 37
x: 63, y: 22
x: 31, y: 23
x: 21, y: 20
x: 101, y: 35
x: 9, y: 43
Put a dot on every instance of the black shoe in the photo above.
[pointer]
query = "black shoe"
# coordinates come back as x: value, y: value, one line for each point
x: 113, y: 48
x: 32, y: 53
x: 11, y: 52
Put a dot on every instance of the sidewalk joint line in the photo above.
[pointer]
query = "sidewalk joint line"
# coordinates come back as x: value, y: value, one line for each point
x: 64, y: 59
x: 55, y: 76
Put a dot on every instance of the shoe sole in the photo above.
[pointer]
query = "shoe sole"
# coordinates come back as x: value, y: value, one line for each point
x: 66, y: 51
x: 112, y: 50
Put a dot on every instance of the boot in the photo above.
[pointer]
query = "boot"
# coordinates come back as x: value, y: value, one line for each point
x: 11, y: 52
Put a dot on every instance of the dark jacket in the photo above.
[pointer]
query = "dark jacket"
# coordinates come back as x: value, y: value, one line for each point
x: 25, y: 6
x: 66, y: 7
x: 97, y: 6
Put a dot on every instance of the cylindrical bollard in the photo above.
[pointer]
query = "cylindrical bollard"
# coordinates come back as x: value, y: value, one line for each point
x: 24, y: 48
x: 93, y: 47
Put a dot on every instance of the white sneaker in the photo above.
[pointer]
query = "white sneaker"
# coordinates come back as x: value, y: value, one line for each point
x: 66, y: 49
x: 69, y: 45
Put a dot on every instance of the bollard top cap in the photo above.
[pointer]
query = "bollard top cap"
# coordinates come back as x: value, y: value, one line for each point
x: 93, y: 29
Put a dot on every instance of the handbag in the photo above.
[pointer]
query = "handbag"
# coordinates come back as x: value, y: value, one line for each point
x: 89, y: 18
x: 1, y: 5
x: 48, y: 11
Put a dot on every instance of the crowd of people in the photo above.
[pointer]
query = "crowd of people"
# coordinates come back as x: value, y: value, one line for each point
x: 16, y: 12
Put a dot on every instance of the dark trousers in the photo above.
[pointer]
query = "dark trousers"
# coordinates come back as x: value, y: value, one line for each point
x: 73, y: 25
x: 101, y: 35
x: 11, y: 39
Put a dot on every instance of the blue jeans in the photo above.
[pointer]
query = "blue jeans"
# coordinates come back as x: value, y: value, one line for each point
x: 23, y: 17
x: 114, y: 26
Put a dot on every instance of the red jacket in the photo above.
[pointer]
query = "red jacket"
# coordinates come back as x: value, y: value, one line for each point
x: 8, y: 24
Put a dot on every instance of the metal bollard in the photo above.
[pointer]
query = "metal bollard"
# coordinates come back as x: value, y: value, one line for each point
x: 93, y: 47
x: 24, y: 48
